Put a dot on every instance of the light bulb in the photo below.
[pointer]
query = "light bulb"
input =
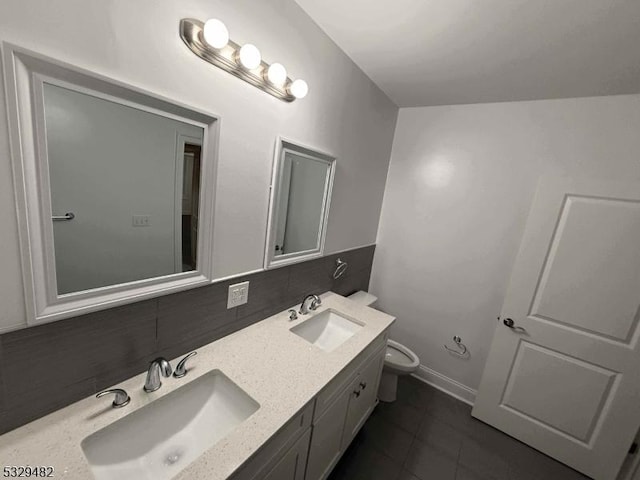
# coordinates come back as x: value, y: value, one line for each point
x: 249, y: 56
x: 277, y: 74
x: 299, y: 88
x: 216, y: 33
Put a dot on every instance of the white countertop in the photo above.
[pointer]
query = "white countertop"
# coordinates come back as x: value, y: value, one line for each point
x: 278, y: 369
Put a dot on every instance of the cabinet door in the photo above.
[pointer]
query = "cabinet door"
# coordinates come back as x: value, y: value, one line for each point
x: 362, y: 397
x: 326, y: 445
x: 291, y: 466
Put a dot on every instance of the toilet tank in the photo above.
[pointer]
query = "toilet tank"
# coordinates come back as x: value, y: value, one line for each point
x: 364, y: 298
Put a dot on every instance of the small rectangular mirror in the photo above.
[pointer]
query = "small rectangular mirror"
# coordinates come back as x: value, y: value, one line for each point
x: 299, y: 207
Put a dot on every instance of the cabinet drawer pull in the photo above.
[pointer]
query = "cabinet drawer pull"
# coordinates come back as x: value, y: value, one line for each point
x: 363, y: 385
x: 356, y: 393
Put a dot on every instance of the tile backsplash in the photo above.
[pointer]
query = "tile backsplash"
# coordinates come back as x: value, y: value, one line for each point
x: 47, y: 367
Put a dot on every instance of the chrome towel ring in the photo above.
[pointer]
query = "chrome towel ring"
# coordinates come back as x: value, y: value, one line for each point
x: 461, y: 351
x: 341, y: 267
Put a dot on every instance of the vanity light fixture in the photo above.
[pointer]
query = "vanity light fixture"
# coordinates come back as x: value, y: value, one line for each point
x: 210, y: 41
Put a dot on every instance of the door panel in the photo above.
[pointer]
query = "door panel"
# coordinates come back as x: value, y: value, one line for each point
x: 565, y: 378
x: 592, y: 269
x: 326, y: 448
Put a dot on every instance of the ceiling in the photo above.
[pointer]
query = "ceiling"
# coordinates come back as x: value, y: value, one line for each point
x: 440, y: 52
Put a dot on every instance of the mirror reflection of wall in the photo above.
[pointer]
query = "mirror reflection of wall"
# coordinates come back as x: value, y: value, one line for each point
x: 301, y: 202
x: 131, y: 178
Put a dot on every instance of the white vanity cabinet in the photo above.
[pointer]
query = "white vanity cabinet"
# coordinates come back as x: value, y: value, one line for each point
x: 284, y: 456
x: 351, y: 397
x: 311, y: 443
x: 363, y: 397
x: 292, y: 465
x: 326, y: 444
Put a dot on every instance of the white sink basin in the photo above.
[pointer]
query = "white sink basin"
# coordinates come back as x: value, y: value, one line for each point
x: 159, y: 440
x: 327, y: 330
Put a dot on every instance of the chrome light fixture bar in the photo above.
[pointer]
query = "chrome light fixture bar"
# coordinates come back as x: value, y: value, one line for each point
x: 242, y: 61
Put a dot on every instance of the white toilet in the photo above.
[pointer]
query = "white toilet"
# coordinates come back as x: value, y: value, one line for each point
x: 399, y: 360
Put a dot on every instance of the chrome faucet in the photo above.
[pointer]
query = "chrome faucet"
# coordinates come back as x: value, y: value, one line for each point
x: 157, y: 367
x: 315, y: 303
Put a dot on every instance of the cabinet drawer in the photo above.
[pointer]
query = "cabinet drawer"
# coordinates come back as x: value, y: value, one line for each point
x: 272, y: 451
x: 344, y: 379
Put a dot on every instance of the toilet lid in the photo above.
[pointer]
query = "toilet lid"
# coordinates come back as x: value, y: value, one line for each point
x: 397, y: 357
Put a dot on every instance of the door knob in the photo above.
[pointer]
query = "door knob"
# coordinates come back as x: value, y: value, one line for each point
x: 509, y: 322
x: 363, y: 385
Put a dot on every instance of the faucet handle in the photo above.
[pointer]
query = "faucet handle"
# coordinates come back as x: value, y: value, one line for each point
x: 181, y: 368
x: 293, y: 315
x: 122, y: 398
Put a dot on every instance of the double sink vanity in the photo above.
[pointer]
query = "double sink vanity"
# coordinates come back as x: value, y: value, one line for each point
x: 279, y: 400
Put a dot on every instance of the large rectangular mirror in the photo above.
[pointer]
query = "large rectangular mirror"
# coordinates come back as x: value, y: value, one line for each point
x: 299, y: 208
x: 117, y: 188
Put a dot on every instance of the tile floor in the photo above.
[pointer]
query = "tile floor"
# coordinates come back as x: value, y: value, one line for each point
x: 428, y: 435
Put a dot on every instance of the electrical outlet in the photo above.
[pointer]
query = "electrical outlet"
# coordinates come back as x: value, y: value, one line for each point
x: 238, y: 294
x: 141, y: 220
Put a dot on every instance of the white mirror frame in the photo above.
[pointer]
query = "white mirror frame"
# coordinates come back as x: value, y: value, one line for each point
x: 284, y: 145
x: 24, y: 73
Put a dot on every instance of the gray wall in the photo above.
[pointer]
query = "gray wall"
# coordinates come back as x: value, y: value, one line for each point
x: 138, y: 43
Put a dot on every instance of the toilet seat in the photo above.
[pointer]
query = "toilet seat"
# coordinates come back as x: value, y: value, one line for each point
x: 400, y: 358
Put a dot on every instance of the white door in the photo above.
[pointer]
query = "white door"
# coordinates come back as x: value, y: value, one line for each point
x: 565, y: 377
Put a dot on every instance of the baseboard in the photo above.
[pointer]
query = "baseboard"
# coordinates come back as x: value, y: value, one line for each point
x: 446, y: 384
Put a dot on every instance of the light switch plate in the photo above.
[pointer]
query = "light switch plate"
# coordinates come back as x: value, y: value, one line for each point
x: 238, y: 294
x: 141, y: 220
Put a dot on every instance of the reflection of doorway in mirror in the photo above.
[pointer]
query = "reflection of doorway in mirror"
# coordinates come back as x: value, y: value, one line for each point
x: 283, y: 205
x: 190, y: 196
